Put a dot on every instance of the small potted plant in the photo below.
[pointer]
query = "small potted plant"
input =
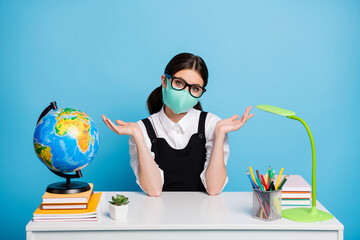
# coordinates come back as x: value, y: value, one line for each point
x: 118, y: 207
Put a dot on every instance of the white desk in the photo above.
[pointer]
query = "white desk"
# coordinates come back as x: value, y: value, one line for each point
x: 185, y: 215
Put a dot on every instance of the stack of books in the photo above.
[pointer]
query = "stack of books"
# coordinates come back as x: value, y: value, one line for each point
x: 68, y: 207
x: 296, y: 192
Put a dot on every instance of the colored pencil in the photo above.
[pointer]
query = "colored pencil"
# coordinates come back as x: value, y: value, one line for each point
x: 271, y: 186
x: 266, y: 178
x: 258, y: 175
x: 259, y: 183
x: 251, y: 181
x: 283, y: 181
x: 278, y: 180
x: 262, y: 177
x: 252, y: 174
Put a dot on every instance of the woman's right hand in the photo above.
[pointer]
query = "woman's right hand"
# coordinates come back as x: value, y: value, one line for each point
x: 124, y: 128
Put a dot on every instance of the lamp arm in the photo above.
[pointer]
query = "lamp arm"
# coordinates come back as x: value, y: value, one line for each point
x: 313, y: 185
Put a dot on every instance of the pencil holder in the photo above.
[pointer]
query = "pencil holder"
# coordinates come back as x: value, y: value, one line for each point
x: 267, y: 204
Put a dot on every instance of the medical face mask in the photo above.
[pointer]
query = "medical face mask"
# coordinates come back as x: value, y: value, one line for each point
x: 179, y: 101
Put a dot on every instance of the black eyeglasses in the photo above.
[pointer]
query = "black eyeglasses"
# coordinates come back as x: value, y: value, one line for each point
x: 179, y: 84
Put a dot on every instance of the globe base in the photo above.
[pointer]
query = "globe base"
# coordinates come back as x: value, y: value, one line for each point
x: 68, y: 188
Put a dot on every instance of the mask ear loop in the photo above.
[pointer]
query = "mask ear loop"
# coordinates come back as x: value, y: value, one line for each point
x: 168, y: 80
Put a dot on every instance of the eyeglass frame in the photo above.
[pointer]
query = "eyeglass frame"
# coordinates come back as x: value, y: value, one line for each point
x: 168, y: 76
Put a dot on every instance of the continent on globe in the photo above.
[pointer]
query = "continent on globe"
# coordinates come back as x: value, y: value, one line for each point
x: 43, y: 153
x: 78, y: 125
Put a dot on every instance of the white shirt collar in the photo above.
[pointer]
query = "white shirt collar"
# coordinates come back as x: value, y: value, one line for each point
x: 183, y: 123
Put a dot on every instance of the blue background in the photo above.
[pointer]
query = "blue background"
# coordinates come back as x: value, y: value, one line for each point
x: 105, y: 57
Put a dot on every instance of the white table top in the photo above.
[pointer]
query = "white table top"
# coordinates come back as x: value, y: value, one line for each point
x: 184, y: 211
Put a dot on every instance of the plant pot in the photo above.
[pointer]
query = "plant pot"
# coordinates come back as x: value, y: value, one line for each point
x: 118, y: 212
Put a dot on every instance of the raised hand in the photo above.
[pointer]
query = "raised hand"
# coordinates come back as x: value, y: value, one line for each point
x: 233, y: 123
x: 124, y: 128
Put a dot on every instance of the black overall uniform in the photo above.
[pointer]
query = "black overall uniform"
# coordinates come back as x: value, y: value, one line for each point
x: 182, y: 167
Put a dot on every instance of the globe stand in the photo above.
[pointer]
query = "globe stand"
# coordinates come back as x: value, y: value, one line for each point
x: 68, y: 187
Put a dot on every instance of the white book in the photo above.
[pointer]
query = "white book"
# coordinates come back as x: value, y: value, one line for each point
x: 65, y: 216
x: 296, y: 195
x: 66, y: 219
x: 64, y: 206
x: 65, y: 200
x: 53, y: 198
x: 295, y: 183
x: 296, y: 202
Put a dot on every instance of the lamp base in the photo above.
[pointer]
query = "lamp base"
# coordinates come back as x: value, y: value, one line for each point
x: 306, y: 214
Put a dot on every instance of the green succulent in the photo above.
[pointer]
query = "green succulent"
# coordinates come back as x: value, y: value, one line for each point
x: 119, y: 200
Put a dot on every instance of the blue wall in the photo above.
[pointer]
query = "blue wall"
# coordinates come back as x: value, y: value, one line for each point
x: 104, y: 57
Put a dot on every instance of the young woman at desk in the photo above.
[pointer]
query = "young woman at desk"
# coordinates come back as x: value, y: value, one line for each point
x: 180, y: 147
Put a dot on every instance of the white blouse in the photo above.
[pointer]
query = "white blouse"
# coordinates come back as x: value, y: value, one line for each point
x: 177, y: 135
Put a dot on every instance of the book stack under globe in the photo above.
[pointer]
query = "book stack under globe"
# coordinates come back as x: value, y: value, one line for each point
x: 296, y: 192
x: 68, y: 207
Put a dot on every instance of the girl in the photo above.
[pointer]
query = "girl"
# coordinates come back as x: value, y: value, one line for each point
x: 180, y: 147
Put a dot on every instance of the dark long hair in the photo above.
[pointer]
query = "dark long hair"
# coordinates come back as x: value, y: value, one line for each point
x: 179, y: 62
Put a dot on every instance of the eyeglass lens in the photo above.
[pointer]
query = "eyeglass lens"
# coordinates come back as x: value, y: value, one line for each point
x: 180, y: 84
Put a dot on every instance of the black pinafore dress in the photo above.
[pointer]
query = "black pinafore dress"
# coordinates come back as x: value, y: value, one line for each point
x: 182, y: 167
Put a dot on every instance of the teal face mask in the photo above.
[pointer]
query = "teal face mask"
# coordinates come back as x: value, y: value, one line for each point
x: 178, y: 101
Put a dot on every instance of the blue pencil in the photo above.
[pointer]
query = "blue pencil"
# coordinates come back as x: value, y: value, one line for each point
x: 252, y: 182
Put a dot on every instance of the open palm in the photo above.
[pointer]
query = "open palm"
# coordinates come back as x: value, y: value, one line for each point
x: 124, y: 128
x: 233, y: 123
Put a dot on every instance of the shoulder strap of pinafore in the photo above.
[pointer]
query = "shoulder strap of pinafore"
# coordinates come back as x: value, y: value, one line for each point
x: 149, y: 129
x: 201, y: 128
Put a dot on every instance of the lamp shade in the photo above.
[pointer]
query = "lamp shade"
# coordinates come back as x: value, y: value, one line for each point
x: 276, y: 110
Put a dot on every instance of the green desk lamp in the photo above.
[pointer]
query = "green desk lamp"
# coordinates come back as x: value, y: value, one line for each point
x: 301, y: 214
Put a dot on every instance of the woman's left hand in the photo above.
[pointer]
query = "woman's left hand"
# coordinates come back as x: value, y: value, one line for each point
x: 232, y: 124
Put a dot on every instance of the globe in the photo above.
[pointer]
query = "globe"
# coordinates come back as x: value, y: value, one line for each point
x: 66, y: 140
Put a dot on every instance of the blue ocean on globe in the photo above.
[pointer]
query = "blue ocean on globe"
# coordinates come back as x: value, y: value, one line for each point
x: 66, y: 140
